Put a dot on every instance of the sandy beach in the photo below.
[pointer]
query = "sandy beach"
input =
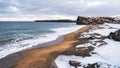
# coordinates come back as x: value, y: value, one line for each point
x: 44, y: 57
x: 59, y: 34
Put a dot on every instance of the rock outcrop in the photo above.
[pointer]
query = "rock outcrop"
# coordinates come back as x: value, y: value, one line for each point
x: 116, y: 22
x: 115, y: 35
x: 94, y: 20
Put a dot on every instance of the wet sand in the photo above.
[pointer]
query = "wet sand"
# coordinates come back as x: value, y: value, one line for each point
x: 44, y: 57
x: 11, y: 59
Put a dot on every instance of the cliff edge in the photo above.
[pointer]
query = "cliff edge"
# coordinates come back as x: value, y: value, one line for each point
x: 96, y: 20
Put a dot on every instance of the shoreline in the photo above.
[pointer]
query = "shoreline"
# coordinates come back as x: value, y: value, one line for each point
x: 10, y: 59
x: 46, y: 44
x: 44, y: 57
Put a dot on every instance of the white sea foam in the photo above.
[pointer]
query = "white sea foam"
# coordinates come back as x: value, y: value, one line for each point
x: 24, y: 44
x: 62, y: 31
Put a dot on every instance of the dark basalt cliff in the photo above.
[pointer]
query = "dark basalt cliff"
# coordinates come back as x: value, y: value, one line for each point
x: 96, y: 20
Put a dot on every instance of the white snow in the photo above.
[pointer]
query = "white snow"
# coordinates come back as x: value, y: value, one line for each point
x: 113, y: 25
x: 107, y: 29
x: 84, y: 45
x: 104, y: 32
x: 63, y: 61
x: 110, y: 52
x: 106, y: 55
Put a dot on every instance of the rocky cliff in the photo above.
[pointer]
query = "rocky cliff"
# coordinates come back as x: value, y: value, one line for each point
x: 96, y: 20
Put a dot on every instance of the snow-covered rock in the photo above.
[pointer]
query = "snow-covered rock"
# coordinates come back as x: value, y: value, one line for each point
x: 106, y: 56
x: 115, y: 35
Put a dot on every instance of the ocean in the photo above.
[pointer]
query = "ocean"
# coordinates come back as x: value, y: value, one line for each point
x: 17, y: 36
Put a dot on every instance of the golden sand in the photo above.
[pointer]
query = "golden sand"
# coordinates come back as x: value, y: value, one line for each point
x: 44, y: 57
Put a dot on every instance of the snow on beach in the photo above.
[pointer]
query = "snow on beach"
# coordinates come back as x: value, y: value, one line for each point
x: 21, y: 45
x: 105, y: 55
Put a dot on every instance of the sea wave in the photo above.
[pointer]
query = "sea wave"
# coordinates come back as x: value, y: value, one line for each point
x: 26, y: 43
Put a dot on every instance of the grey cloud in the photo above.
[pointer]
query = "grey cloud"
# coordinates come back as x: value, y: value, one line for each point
x: 59, y: 7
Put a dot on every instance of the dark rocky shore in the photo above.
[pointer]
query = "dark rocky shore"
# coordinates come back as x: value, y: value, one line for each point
x: 96, y: 20
x: 101, y: 20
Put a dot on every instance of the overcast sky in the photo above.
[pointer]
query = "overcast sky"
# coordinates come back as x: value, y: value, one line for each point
x: 58, y: 8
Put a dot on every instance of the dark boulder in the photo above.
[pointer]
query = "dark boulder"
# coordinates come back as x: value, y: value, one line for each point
x: 74, y: 63
x: 95, y: 65
x: 115, y: 35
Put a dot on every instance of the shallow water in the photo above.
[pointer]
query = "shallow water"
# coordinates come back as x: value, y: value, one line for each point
x: 16, y: 36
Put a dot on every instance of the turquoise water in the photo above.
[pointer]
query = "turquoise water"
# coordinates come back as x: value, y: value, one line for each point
x: 15, y: 36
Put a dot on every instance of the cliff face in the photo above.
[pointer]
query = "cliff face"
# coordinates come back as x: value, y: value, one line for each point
x: 94, y: 20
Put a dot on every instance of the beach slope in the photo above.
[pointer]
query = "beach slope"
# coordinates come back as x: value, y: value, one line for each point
x: 44, y: 57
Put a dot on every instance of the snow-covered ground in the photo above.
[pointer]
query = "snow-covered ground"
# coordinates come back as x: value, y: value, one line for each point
x: 105, y: 55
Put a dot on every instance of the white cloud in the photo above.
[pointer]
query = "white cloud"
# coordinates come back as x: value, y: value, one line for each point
x: 33, y: 17
x: 95, y: 3
x: 51, y: 8
x: 13, y: 9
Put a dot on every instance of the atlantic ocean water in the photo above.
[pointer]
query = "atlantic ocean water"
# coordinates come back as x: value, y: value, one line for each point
x: 16, y: 36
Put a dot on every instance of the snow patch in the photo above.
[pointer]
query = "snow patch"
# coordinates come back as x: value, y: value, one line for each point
x: 106, y: 56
